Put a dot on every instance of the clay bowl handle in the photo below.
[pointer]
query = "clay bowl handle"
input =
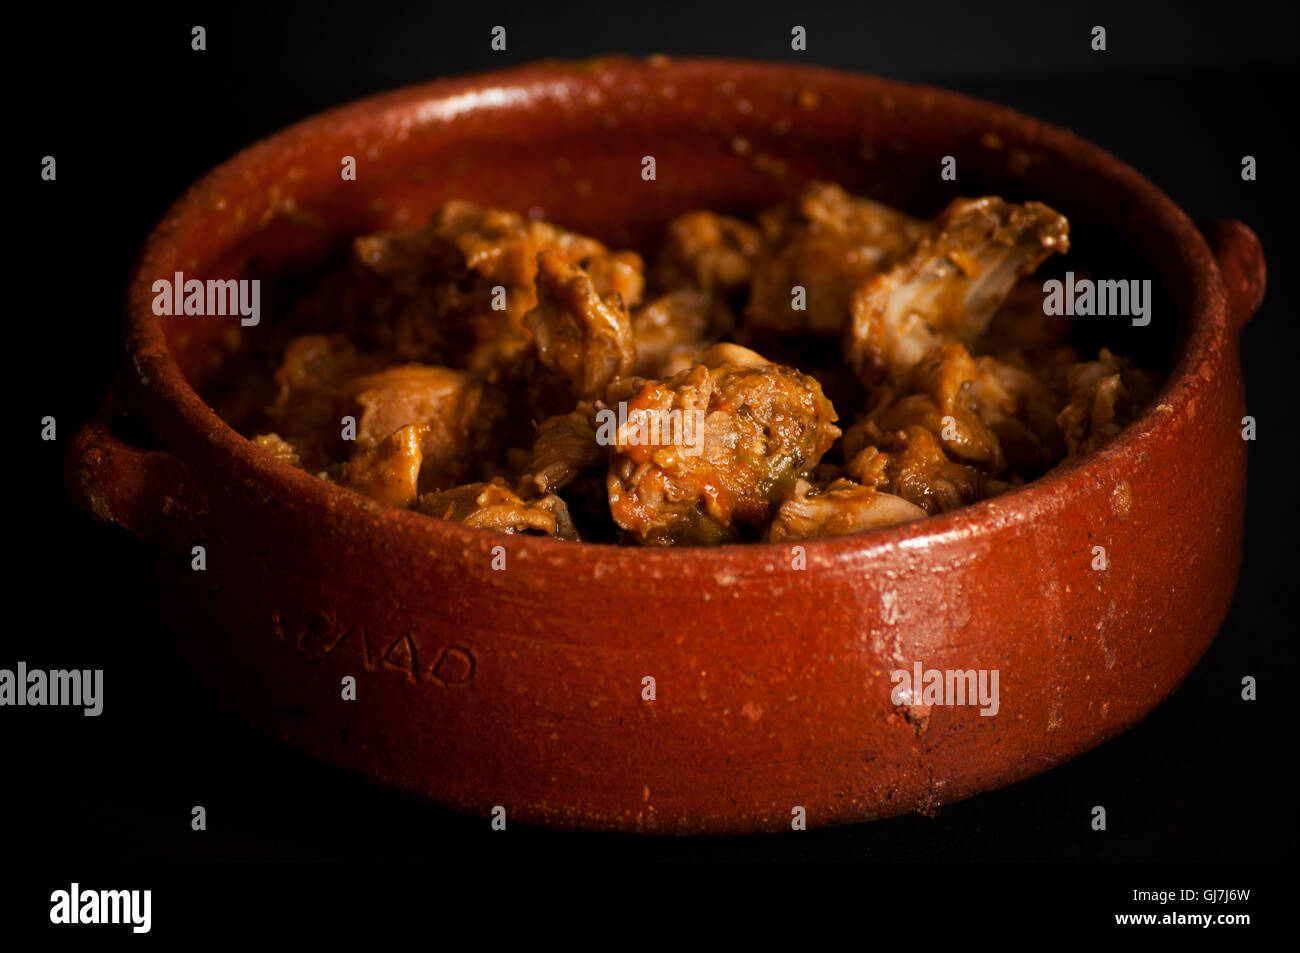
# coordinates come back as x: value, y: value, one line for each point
x: 1241, y: 260
x: 150, y: 492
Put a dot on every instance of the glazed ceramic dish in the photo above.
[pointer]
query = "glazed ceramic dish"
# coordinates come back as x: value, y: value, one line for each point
x: 517, y: 671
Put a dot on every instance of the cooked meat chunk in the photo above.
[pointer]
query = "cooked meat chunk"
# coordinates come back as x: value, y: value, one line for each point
x: 312, y: 400
x: 707, y: 252
x: 915, y: 468
x: 680, y: 321
x: 458, y: 412
x: 503, y: 248
x: 616, y: 273
x: 495, y: 506
x: 843, y: 507
x: 711, y: 450
x: 423, y: 302
x: 457, y: 290
x: 983, y: 411
x: 389, y: 471
x: 582, y: 337
x: 1021, y: 409
x: 940, y: 399
x: 1105, y: 395
x: 950, y: 284
x: 565, y: 447
x: 715, y: 355
x: 828, y: 243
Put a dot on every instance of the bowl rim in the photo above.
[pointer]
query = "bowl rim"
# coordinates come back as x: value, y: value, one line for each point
x: 182, y: 419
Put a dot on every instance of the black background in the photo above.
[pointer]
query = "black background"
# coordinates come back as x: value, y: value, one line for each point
x: 133, y: 116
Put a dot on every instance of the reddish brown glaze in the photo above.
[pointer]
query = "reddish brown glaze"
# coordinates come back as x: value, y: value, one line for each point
x: 523, y: 687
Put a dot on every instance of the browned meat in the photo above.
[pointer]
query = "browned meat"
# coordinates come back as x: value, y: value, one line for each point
x: 1105, y: 396
x: 495, y: 506
x: 615, y: 273
x: 915, y: 468
x: 680, y: 321
x: 565, y: 447
x: 578, y: 335
x: 389, y: 471
x: 983, y: 411
x: 938, y: 397
x: 744, y: 435
x: 1021, y: 408
x: 308, y: 411
x: 432, y: 291
x: 715, y: 355
x: 503, y: 248
x: 827, y: 243
x: 843, y: 507
x: 707, y: 252
x: 459, y: 415
x: 950, y: 284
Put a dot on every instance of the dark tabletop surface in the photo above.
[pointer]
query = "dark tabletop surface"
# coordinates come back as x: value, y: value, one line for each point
x: 134, y: 117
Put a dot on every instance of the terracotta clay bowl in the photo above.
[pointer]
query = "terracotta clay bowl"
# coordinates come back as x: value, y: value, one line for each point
x: 524, y: 687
